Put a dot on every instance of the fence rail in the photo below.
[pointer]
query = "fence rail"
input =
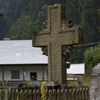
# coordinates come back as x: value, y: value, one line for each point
x: 60, y: 94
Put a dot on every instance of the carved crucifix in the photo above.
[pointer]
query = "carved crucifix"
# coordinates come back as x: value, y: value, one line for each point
x: 55, y: 39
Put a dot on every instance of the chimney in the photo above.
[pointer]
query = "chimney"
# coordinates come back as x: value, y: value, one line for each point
x: 6, y: 39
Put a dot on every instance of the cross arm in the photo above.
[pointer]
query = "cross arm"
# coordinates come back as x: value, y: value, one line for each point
x: 40, y: 39
x: 71, y: 36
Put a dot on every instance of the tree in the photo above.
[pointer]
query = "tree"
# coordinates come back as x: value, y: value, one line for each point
x: 91, y: 58
x: 34, y: 7
x: 73, y: 11
x: 22, y: 28
x: 3, y: 26
x: 89, y: 20
x: 42, y: 16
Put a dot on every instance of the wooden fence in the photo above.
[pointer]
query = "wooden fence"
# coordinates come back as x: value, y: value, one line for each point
x: 61, y: 94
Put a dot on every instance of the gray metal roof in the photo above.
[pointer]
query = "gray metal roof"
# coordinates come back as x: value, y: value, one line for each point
x: 76, y: 69
x: 20, y: 52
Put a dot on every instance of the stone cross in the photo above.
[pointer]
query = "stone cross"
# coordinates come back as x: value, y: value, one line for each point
x: 56, y: 39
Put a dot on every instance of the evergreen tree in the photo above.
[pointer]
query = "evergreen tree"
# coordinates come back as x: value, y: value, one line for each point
x: 22, y: 28
x: 42, y: 17
x: 3, y: 26
x: 73, y: 13
x: 89, y: 20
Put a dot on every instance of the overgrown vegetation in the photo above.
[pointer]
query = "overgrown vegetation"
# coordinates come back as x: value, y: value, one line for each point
x: 22, y: 28
x: 91, y: 59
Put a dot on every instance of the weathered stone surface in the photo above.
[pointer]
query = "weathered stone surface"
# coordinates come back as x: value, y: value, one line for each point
x: 53, y: 85
x: 95, y: 83
x: 57, y: 34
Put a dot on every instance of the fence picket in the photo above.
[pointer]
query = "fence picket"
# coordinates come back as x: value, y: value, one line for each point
x: 2, y: 95
x: 14, y: 94
x: 74, y: 94
x: 9, y: 94
x: 66, y: 95
x: 58, y: 95
x: 21, y: 95
x: 17, y: 94
x: 34, y: 95
x: 26, y: 95
x: 54, y: 94
x: 86, y: 94
x: 47, y: 94
x: 70, y: 94
x: 50, y: 95
x: 38, y: 95
x: 80, y: 93
x: 63, y: 95
x: 30, y: 95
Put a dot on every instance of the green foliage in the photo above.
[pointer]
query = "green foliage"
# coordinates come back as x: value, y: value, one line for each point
x: 76, y: 55
x: 73, y: 11
x: 3, y: 26
x: 86, y: 80
x: 35, y: 7
x: 91, y: 58
x: 89, y: 19
x: 42, y: 16
x: 22, y: 28
x: 3, y: 86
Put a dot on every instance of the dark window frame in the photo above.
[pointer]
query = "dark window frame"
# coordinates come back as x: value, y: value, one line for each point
x: 15, y: 74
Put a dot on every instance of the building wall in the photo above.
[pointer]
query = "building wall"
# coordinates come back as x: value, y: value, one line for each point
x: 24, y: 72
x: 8, y: 69
x: 0, y: 73
x: 41, y: 72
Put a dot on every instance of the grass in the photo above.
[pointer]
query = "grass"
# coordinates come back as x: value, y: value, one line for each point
x: 86, y: 80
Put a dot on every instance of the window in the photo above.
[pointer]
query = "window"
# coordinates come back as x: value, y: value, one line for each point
x: 15, y: 74
x: 33, y: 75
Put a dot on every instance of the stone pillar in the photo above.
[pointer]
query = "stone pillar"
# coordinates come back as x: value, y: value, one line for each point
x: 94, y: 92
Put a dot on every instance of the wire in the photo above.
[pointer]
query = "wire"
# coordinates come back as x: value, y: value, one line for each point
x: 87, y: 44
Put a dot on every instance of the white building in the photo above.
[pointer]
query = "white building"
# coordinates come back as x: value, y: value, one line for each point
x: 19, y: 62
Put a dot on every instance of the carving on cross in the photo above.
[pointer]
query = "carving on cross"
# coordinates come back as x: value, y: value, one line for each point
x: 66, y: 23
x: 44, y: 25
x: 44, y: 50
x: 66, y: 49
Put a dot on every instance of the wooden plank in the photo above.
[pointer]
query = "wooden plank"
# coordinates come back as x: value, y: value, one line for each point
x: 38, y: 95
x: 34, y: 95
x: 50, y: 95
x: 2, y: 95
x: 54, y: 95
x: 26, y: 94
x: 9, y: 95
x: 30, y: 94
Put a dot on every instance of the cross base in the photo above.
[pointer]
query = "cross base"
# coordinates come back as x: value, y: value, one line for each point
x: 55, y: 85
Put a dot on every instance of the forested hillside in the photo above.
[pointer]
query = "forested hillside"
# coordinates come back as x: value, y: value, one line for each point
x: 20, y: 14
x: 24, y: 17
